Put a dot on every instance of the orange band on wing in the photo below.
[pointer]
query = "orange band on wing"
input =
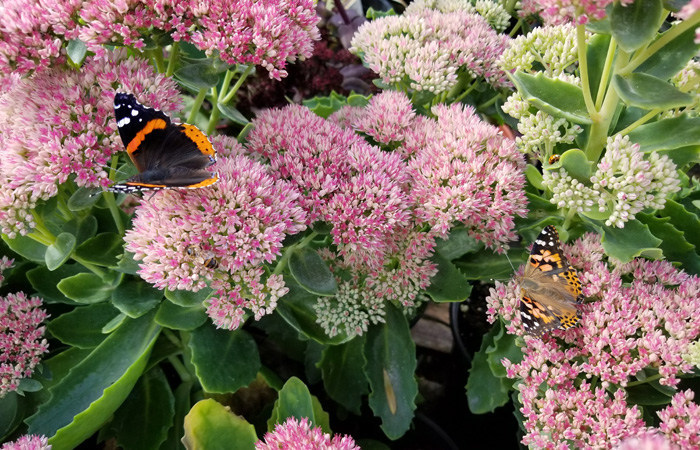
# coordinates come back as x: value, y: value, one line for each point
x: 200, y: 139
x: 208, y: 182
x: 154, y: 124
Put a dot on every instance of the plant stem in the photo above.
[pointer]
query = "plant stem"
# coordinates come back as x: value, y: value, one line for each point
x: 174, y: 55
x: 91, y: 267
x: 648, y: 379
x: 114, y: 210
x: 197, y: 104
x: 601, y: 121
x: 215, y: 111
x: 583, y: 70
x: 229, y: 95
x: 158, y: 58
x: 605, y: 76
x: 641, y: 121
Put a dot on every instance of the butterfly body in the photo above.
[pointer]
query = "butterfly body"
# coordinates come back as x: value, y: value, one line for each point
x: 550, y: 290
x: 167, y: 155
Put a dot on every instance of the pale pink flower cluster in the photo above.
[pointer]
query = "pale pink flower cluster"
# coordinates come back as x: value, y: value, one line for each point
x: 580, y: 12
x: 466, y: 172
x: 269, y: 34
x: 296, y: 434
x: 5, y: 263
x: 32, y: 33
x: 425, y: 51
x: 647, y: 440
x: 680, y: 420
x: 386, y: 207
x: 21, y: 339
x: 687, y: 11
x: 59, y: 125
x: 221, y: 236
x: 28, y: 442
x: 625, y: 328
x: 355, y: 187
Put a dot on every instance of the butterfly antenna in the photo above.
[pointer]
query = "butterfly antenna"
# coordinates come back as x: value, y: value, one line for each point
x: 505, y: 252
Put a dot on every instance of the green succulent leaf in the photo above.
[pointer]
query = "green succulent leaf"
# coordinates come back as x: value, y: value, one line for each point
x: 648, y: 92
x: 448, y: 284
x: 143, y: 420
x: 82, y: 327
x: 176, y: 317
x: 635, y: 24
x: 553, y: 96
x: 667, y: 134
x: 224, y: 361
x: 102, y: 250
x: 135, y: 298
x: 312, y: 272
x: 487, y: 385
x: 210, y: 425
x: 341, y: 379
x: 94, y: 388
x: 391, y: 364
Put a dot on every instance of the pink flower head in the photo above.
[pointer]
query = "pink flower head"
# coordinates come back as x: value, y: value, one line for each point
x: 362, y: 294
x: 28, y: 442
x: 467, y: 172
x: 221, y: 236
x: 296, y: 434
x: 21, y: 339
x: 555, y: 12
x: 5, y: 263
x: 647, y: 440
x: 357, y: 188
x: 680, y: 421
x: 646, y: 324
x: 387, y: 117
x: 269, y: 34
x: 32, y: 33
x: 59, y: 125
x: 426, y: 49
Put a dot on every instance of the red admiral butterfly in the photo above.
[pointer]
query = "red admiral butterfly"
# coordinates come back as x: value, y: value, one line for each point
x: 167, y: 155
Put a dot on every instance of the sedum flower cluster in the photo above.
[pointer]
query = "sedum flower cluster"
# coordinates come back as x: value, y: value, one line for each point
x: 387, y: 204
x: 426, y: 49
x: 296, y: 434
x: 28, y: 442
x: 626, y: 182
x: 58, y: 125
x: 21, y: 335
x: 34, y: 33
x: 572, y: 384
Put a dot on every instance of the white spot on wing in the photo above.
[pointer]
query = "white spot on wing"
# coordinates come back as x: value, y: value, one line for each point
x: 123, y: 122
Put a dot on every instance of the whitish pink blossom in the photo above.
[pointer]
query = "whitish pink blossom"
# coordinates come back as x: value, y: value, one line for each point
x: 680, y: 421
x: 424, y: 51
x: 355, y: 187
x: 467, y: 172
x: 647, y: 440
x: 269, y: 34
x: 59, y: 125
x: 296, y: 434
x: 220, y: 236
x: 579, y: 12
x: 626, y: 327
x: 28, y: 442
x: 33, y: 33
x: 21, y: 339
